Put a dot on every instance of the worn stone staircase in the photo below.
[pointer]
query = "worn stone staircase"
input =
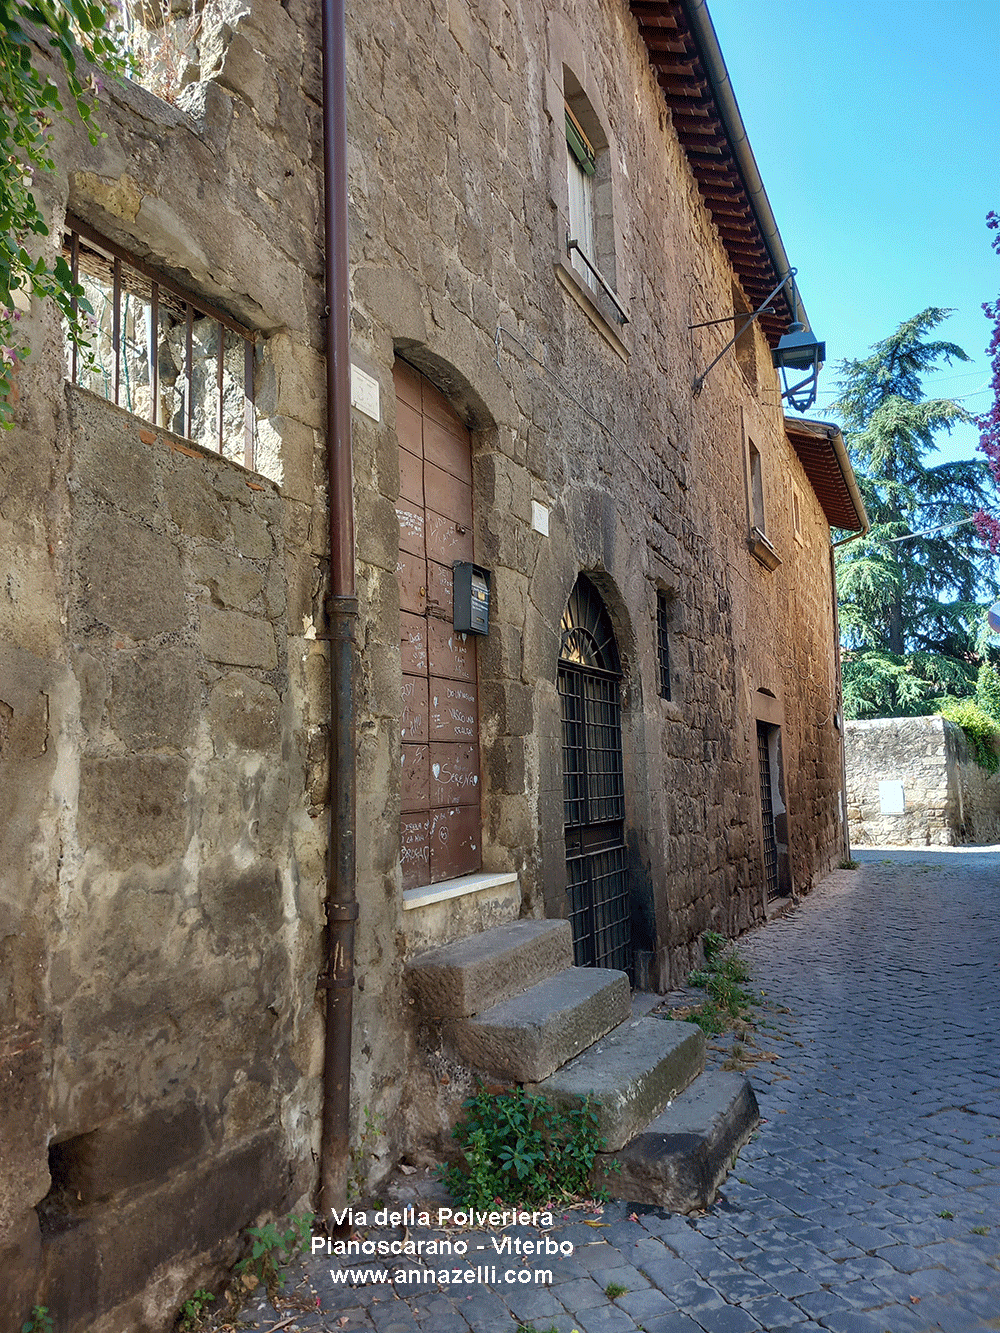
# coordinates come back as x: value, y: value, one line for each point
x: 511, y: 1004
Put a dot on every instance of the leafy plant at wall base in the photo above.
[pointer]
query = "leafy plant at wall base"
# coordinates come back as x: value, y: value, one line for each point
x: 194, y: 1311
x: 40, y: 1322
x: 271, y: 1249
x: 519, y: 1148
x: 29, y: 105
x: 722, y: 978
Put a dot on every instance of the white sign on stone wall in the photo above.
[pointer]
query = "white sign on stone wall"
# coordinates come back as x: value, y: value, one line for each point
x: 892, y: 797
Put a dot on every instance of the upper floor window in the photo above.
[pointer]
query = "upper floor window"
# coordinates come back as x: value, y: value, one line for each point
x: 590, y: 198
x: 581, y: 167
x: 760, y: 545
x: 756, y: 490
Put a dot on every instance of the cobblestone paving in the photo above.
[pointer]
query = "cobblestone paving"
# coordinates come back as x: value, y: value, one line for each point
x: 869, y: 1200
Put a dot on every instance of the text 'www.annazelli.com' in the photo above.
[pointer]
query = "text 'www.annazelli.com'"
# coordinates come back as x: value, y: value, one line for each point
x: 445, y: 1277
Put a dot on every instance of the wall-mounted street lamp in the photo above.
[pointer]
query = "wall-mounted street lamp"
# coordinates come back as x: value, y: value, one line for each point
x: 797, y: 350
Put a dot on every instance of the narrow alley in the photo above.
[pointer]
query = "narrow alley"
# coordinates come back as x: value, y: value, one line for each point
x: 869, y: 1199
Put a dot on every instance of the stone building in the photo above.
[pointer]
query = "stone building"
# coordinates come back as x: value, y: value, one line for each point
x: 555, y: 228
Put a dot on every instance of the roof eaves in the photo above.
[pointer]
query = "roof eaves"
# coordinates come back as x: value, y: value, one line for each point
x: 821, y: 450
x: 684, y: 51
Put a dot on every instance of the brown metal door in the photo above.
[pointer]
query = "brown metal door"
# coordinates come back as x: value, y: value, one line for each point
x: 440, y: 824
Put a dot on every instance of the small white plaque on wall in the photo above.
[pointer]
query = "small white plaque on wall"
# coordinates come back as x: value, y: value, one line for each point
x: 364, y: 393
x: 540, y: 518
x: 891, y: 797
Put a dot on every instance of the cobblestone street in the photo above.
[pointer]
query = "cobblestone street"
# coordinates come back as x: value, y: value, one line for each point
x: 869, y: 1199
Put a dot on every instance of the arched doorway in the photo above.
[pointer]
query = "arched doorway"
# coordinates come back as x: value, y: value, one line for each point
x: 589, y: 682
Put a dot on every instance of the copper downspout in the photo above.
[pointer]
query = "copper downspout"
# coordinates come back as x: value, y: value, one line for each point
x: 342, y: 614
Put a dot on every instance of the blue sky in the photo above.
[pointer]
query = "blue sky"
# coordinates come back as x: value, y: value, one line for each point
x: 876, y: 128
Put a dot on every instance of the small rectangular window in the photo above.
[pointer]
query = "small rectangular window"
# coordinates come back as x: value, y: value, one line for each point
x: 756, y: 490
x: 581, y: 161
x: 663, y: 644
x: 796, y: 514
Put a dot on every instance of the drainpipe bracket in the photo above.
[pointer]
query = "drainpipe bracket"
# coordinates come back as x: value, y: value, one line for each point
x: 324, y: 982
x: 341, y: 911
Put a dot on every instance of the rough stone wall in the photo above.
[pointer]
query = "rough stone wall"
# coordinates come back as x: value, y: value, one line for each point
x: 162, y: 720
x: 948, y: 798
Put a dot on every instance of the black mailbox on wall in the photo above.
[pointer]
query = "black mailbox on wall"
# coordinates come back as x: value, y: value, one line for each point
x: 472, y: 598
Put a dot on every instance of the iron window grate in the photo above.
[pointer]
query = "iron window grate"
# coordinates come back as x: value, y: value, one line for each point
x: 663, y: 645
x: 161, y: 353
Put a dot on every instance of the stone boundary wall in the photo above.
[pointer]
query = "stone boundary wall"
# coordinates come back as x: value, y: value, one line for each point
x: 924, y: 765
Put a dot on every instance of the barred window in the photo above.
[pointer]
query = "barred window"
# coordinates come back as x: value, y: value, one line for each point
x: 663, y: 644
x: 161, y: 352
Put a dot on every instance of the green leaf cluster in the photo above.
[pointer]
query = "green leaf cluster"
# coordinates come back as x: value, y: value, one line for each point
x: 194, y: 1311
x: 39, y: 1322
x: 988, y: 691
x: 981, y: 730
x: 84, y: 41
x: 271, y: 1247
x: 911, y: 611
x: 722, y: 978
x: 519, y: 1149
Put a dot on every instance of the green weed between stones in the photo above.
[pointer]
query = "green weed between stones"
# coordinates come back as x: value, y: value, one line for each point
x: 519, y: 1148
x: 613, y: 1290
x: 40, y: 1322
x: 722, y: 978
x: 194, y: 1311
x: 271, y: 1249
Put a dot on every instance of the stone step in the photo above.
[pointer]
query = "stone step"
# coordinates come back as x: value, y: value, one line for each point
x: 473, y: 974
x: 526, y: 1038
x: 682, y: 1156
x: 631, y: 1074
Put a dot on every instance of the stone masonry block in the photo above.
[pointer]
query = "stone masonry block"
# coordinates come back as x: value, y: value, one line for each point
x: 232, y: 580
x: 470, y: 975
x: 631, y: 1075
x: 128, y: 578
x: 132, y: 808
x: 194, y: 506
x: 154, y: 697
x: 245, y: 713
x: 105, y: 1254
x: 121, y: 1156
x: 236, y: 639
x: 299, y: 380
x: 528, y: 1037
